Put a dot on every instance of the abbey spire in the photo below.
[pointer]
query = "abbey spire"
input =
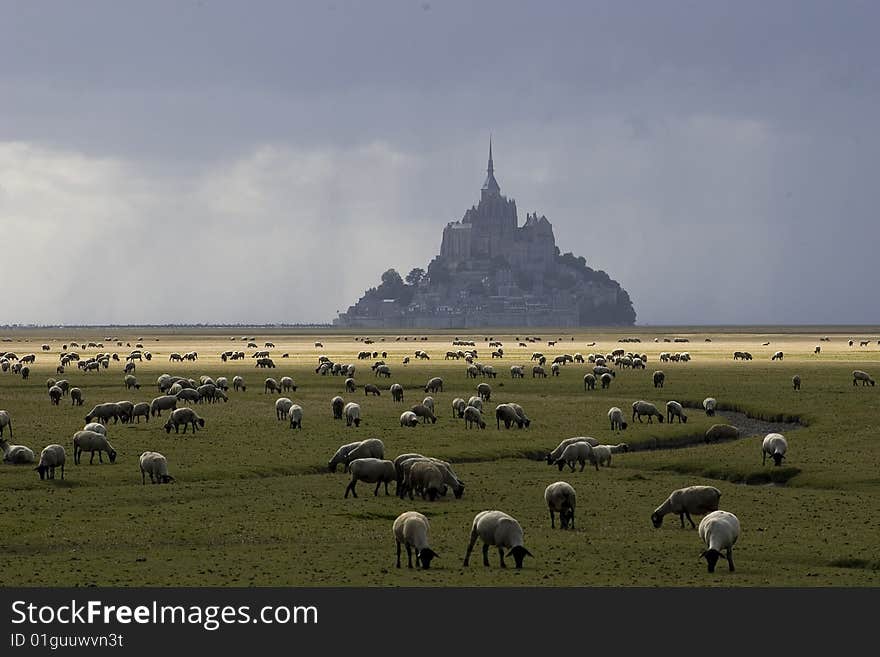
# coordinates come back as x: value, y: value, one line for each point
x: 491, y: 185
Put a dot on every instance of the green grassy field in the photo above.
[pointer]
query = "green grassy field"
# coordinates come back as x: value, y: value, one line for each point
x: 254, y: 504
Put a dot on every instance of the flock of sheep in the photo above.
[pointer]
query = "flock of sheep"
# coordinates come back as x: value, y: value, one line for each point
x: 412, y: 473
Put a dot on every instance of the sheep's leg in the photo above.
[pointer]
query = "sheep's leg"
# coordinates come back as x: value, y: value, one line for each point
x: 501, y: 556
x: 690, y: 520
x: 763, y: 458
x: 398, y: 554
x: 376, y: 492
x: 486, y: 554
x: 730, y: 559
x: 470, y: 547
x: 386, y: 488
x: 681, y: 517
x: 552, y: 520
x: 350, y: 487
x: 409, y: 556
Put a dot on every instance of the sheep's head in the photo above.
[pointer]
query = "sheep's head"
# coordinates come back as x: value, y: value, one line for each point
x: 458, y: 491
x: 777, y: 459
x: 684, y: 418
x: 712, y: 557
x: 424, y: 557
x: 657, y: 520
x: 660, y: 418
x: 43, y: 470
x: 519, y: 553
x: 566, y: 517
x: 201, y: 422
x: 166, y: 479
x: 168, y: 426
x: 559, y: 462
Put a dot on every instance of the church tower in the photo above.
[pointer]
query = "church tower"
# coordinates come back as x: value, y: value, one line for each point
x: 491, y: 186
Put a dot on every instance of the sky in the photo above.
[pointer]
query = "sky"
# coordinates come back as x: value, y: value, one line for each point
x: 262, y: 162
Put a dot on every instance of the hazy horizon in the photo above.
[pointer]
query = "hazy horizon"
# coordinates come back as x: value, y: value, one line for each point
x: 229, y: 163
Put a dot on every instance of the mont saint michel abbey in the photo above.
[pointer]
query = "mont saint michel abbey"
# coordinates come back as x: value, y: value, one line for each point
x: 493, y: 272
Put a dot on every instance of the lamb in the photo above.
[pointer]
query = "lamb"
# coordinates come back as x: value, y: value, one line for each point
x: 141, y: 409
x: 719, y: 531
x: 775, y: 446
x: 372, y: 471
x: 396, y: 392
x: 606, y: 380
x: 709, y: 405
x: 337, y: 404
x: 696, y: 500
x: 557, y: 452
x: 55, y: 395
x: 155, y: 465
x: 796, y: 381
x: 434, y: 385
x: 352, y: 413
x: 424, y: 413
x: 659, y: 379
x: 575, y: 452
x: 411, y: 529
x: 589, y: 382
x: 238, y: 384
x: 164, y: 403
x: 409, y: 419
x: 675, y: 410
x: 130, y: 381
x: 90, y: 441
x: 507, y: 414
x: 186, y: 417
x: 864, y: 377
x: 721, y: 432
x: 615, y: 415
x: 484, y: 390
x: 371, y: 389
x: 296, y: 416
x: 458, y: 406
x: 282, y: 406
x: 271, y: 385
x: 501, y: 530
x: 369, y: 448
x: 560, y: 498
x: 51, y: 457
x: 103, y: 413
x: 473, y: 417
x: 642, y: 407
x: 16, y: 454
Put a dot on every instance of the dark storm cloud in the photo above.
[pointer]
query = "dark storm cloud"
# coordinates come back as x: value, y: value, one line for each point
x: 715, y: 158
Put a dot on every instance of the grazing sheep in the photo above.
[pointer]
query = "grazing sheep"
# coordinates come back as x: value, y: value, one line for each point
x: 516, y: 372
x: 601, y: 454
x: 561, y: 498
x: 90, y: 441
x: 130, y: 381
x: 383, y: 370
x: 369, y: 448
x: 125, y: 410
x: 411, y: 529
x: 557, y: 452
x: 287, y: 384
x: 575, y: 452
x: 429, y: 402
x: 424, y: 413
x: 458, y: 406
x: 222, y: 383
x: 51, y: 457
x: 409, y: 419
x: 589, y: 382
x: 709, y: 405
x: 352, y: 413
x: 719, y: 531
x: 501, y: 530
x: 818, y: 349
x: 615, y: 415
x: 473, y: 417
x: 675, y: 410
x: 538, y: 371
x: 696, y: 500
x: 155, y: 465
x: 141, y: 409
x: 721, y: 432
x: 188, y: 395
x: 238, y: 384
x: 396, y: 392
x: 796, y: 381
x: 526, y: 422
x: 434, y: 385
x: 864, y: 377
x: 606, y: 380
x: 282, y: 405
x: 775, y: 446
x: 271, y: 385
x: 103, y: 413
x: 777, y: 356
x: 16, y: 454
x: 426, y: 478
x: 507, y: 414
x: 372, y: 471
x: 484, y: 390
x: 337, y: 404
x: 642, y: 407
x: 659, y: 379
x: 371, y: 389
x: 55, y: 394
x: 186, y: 417
x: 349, y: 385
x: 296, y: 416
x: 164, y: 403
x: 476, y: 402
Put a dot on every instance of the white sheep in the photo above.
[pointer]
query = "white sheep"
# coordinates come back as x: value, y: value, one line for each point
x: 91, y: 441
x: 295, y: 414
x: 473, y: 417
x: 141, y: 409
x: 52, y: 456
x: 458, y: 406
x: 553, y: 456
x: 675, y: 410
x: 337, y: 404
x: 425, y: 477
x: 719, y: 531
x: 155, y: 465
x: 615, y: 415
x: 97, y: 427
x: 238, y: 384
x: 16, y: 454
x: 352, y: 413
x: 576, y: 452
x: 696, y: 500
x: 5, y: 421
x: 428, y: 402
x: 777, y: 356
x: 864, y: 377
x: 476, y: 402
x: 163, y: 403
x: 775, y: 446
x: 369, y: 448
x: 501, y: 530
x: 709, y: 404
x: 186, y: 417
x: 282, y: 406
x: 409, y: 419
x: 561, y: 498
x: 372, y: 471
x: 411, y: 529
x: 642, y: 407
